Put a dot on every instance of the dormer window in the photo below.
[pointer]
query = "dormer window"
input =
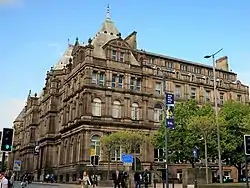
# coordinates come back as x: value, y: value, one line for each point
x: 122, y: 57
x: 114, y: 55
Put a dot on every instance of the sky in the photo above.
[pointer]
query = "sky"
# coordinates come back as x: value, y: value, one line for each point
x: 34, y: 33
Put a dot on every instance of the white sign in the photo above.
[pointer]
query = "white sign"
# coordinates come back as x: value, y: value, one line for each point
x: 17, y: 165
x: 127, y: 164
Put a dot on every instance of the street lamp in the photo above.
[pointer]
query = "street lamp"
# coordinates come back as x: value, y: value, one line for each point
x: 216, y: 111
x: 165, y: 114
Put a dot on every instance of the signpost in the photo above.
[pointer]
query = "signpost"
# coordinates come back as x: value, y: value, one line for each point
x: 17, y: 166
x: 127, y: 159
x: 169, y: 122
x: 195, y: 155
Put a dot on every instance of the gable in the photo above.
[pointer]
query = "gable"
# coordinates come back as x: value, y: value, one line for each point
x: 118, y: 43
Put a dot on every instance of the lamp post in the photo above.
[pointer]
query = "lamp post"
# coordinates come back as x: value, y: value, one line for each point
x: 165, y: 115
x: 216, y: 111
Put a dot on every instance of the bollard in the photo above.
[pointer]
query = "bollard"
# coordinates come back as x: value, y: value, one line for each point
x: 173, y: 185
x: 163, y: 184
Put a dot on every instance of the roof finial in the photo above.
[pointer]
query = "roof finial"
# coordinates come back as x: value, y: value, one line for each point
x: 108, y: 13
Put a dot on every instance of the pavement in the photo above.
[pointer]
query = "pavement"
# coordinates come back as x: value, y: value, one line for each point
x: 54, y: 185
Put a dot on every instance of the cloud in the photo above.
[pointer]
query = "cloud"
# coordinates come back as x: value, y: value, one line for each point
x: 9, y: 110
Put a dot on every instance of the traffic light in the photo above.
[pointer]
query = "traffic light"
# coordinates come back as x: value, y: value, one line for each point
x: 7, y: 139
x: 247, y: 144
x: 94, y: 160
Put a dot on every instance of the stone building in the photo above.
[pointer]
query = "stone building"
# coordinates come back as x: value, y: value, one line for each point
x: 107, y: 85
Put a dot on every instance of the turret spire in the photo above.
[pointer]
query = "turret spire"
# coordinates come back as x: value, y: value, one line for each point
x: 108, y: 13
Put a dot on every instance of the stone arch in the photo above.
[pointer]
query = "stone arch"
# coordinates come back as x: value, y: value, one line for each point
x: 136, y: 100
x: 118, y: 98
x: 99, y: 96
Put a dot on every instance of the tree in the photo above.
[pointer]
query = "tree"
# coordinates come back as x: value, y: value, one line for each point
x: 110, y: 143
x: 181, y: 141
x: 128, y: 141
x: 237, y: 124
x: 131, y: 142
x: 204, y: 124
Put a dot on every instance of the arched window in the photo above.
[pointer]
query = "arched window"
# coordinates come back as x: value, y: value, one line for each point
x: 177, y: 75
x: 207, y: 80
x: 192, y: 78
x: 116, y: 109
x: 135, y: 111
x: 96, y: 107
x: 158, y: 113
x: 95, y: 145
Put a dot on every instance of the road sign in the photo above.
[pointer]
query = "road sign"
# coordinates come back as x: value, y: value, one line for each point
x: 127, y: 158
x: 195, y: 152
x: 17, y: 165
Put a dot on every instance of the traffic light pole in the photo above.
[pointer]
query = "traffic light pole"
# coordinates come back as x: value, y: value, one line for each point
x: 246, y: 171
x: 3, y: 161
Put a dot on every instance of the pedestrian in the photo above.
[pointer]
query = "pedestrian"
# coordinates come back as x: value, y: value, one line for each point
x: 12, y: 180
x: 85, y: 181
x: 124, y: 179
x: 4, y: 181
x: 117, y: 179
x: 146, y: 178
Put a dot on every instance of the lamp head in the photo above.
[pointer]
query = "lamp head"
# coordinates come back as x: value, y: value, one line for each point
x: 207, y: 56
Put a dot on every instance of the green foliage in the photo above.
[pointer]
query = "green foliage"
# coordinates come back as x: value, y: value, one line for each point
x: 128, y: 140
x: 110, y: 143
x: 188, y: 132
x: 237, y: 124
x: 203, y: 122
x: 181, y: 141
x: 194, y: 122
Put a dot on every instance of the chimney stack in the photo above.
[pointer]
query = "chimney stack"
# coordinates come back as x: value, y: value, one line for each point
x: 222, y: 63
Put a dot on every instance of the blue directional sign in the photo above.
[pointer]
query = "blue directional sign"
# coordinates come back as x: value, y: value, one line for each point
x: 195, y: 152
x: 127, y: 158
x: 169, y: 100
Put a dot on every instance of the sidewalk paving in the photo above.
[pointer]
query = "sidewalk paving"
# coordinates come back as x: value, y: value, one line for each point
x: 62, y: 184
x: 159, y: 185
x: 54, y: 184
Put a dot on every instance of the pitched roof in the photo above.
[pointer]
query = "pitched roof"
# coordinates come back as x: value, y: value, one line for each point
x: 63, y: 61
x: 20, y: 115
x: 107, y: 32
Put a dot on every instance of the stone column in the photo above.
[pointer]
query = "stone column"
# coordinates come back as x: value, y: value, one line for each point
x: 86, y: 146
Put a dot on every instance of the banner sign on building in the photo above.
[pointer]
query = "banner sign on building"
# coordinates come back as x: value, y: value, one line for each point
x: 169, y: 99
x: 17, y: 165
